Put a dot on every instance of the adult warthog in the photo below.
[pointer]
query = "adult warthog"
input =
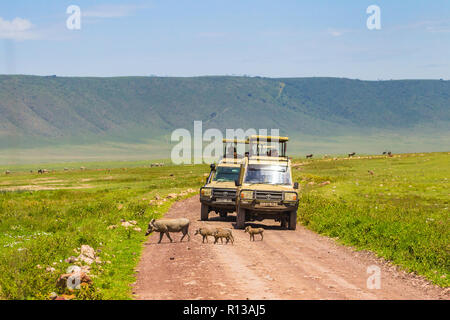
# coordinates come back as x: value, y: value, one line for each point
x: 164, y: 226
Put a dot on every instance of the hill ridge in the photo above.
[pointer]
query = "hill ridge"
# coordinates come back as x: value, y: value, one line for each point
x: 52, y: 109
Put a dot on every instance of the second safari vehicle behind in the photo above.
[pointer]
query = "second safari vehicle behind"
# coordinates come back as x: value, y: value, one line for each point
x: 219, y: 192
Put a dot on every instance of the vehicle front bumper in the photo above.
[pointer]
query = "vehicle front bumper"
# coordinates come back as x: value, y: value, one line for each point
x: 262, y: 205
x: 212, y: 202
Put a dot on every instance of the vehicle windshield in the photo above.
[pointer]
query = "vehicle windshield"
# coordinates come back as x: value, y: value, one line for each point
x: 227, y: 174
x: 267, y: 174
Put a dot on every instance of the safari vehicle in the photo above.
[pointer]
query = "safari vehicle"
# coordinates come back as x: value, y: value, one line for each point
x: 265, y: 187
x: 219, y: 192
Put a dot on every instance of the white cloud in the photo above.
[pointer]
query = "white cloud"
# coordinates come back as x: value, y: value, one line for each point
x: 335, y: 33
x: 338, y: 32
x: 438, y: 29
x: 110, y: 11
x: 17, y: 29
x: 435, y: 26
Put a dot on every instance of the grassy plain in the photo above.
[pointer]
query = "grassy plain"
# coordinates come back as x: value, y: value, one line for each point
x: 43, y: 218
x: 399, y: 212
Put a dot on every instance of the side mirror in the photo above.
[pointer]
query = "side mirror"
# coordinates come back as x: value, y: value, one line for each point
x: 296, y: 185
x: 212, y: 166
x: 236, y: 183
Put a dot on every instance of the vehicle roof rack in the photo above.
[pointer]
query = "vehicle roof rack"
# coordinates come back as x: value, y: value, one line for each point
x: 234, y: 141
x: 268, y: 158
x: 268, y: 138
x: 262, y: 144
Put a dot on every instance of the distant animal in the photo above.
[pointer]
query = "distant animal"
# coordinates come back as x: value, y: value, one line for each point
x: 82, y: 168
x: 252, y: 231
x: 384, y: 152
x: 66, y: 169
x: 157, y: 165
x: 164, y: 226
x: 7, y: 172
x: 221, y: 233
x: 370, y: 172
x: 309, y: 156
x: 351, y: 154
x: 390, y: 154
x: 205, y: 232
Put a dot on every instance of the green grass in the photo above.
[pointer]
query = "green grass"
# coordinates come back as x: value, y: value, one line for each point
x: 44, y: 227
x: 400, y: 212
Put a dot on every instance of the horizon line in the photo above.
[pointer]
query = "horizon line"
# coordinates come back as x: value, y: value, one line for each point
x: 223, y: 76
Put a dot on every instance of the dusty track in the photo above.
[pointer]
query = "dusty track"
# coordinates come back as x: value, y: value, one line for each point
x: 286, y: 265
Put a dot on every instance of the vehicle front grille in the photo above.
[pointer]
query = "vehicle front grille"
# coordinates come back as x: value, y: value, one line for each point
x: 224, y: 193
x: 269, y: 195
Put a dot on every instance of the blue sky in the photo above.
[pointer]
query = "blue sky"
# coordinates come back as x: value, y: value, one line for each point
x: 235, y: 37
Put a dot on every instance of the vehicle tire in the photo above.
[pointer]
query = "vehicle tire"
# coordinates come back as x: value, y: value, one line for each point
x: 284, y: 219
x: 240, y: 218
x: 205, y: 212
x: 293, y: 220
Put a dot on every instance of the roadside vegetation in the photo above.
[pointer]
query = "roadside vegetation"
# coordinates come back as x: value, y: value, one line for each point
x: 395, y: 206
x: 41, y: 228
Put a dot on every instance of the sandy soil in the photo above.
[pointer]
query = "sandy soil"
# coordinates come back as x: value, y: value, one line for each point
x: 285, y: 265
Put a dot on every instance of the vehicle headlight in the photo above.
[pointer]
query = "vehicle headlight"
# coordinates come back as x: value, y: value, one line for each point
x: 206, y: 192
x: 246, y: 195
x: 291, y: 196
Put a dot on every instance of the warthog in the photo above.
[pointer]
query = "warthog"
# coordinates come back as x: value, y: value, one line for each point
x: 221, y: 233
x: 351, y: 154
x: 164, y: 226
x: 309, y: 156
x: 252, y: 231
x: 205, y: 232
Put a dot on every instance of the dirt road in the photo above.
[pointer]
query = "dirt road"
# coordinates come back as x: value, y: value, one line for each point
x: 285, y: 265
